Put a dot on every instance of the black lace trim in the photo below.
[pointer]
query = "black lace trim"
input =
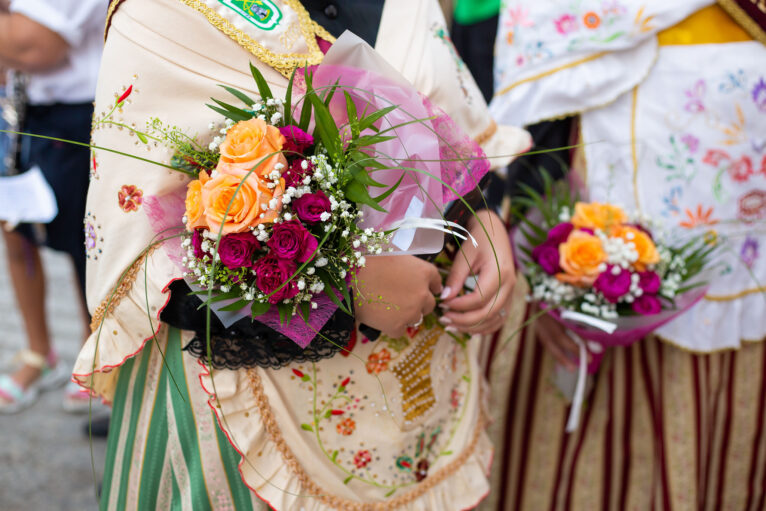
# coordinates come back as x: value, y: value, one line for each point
x: 249, y: 343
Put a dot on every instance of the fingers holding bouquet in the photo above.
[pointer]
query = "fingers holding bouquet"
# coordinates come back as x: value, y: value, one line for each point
x: 490, y: 265
x: 396, y: 292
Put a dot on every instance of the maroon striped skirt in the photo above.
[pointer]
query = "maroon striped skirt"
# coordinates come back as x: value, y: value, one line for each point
x: 661, y: 429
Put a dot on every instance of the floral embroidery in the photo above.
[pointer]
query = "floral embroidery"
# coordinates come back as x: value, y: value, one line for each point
x: 692, y: 142
x: 752, y: 206
x: 741, y: 170
x: 362, y: 458
x: 378, y: 362
x: 695, y: 97
x: 455, y: 397
x: 643, y: 23
x: 715, y: 157
x: 441, y: 33
x: 130, y: 198
x: 565, y: 24
x: 699, y: 218
x: 749, y: 252
x: 671, y: 201
x: 404, y: 463
x: 759, y: 95
x: 680, y: 164
x: 92, y: 237
x: 591, y: 20
x: 733, y: 81
x: 346, y: 426
x: 735, y: 132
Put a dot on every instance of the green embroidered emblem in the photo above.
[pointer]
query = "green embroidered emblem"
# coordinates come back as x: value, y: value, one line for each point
x: 264, y: 14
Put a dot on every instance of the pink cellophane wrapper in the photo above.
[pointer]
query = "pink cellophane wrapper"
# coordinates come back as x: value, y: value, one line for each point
x: 630, y: 329
x: 438, y: 160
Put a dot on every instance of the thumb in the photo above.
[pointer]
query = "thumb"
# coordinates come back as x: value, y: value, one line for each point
x: 434, y: 281
x: 457, y: 276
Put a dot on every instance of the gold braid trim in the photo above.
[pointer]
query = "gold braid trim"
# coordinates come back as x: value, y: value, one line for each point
x: 486, y: 134
x: 744, y: 20
x: 270, y: 423
x: 122, y: 288
x: 284, y: 63
x: 112, y: 9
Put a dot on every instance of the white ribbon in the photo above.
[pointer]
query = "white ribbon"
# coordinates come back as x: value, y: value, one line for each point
x: 436, y: 224
x: 579, y: 393
x: 584, y: 319
x: 582, y: 373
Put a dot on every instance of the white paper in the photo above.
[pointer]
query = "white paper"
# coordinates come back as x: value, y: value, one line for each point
x: 28, y: 198
x: 403, y: 237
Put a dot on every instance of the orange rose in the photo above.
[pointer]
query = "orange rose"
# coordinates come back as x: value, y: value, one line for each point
x: 249, y: 142
x: 647, y: 251
x: 194, y: 209
x: 594, y: 215
x: 249, y: 206
x: 580, y: 256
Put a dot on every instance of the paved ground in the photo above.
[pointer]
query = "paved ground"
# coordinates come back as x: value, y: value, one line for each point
x: 45, y: 458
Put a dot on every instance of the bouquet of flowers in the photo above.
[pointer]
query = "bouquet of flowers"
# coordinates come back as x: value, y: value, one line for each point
x: 608, y: 276
x: 282, y: 209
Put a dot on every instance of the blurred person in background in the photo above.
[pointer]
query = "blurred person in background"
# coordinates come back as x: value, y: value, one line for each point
x: 670, y: 100
x: 57, y: 43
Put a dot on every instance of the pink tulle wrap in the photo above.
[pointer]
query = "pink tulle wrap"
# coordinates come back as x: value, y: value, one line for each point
x: 630, y: 329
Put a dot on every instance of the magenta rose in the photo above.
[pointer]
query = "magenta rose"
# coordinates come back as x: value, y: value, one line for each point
x: 560, y: 233
x: 647, y: 305
x: 294, y: 174
x: 311, y: 206
x: 649, y: 282
x: 197, y: 240
x: 295, y: 139
x: 290, y: 240
x: 271, y: 272
x: 236, y: 250
x: 612, y: 286
x: 547, y: 256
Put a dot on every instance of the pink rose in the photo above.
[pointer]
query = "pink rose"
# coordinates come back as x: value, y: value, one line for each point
x: 236, y: 250
x: 560, y: 233
x: 270, y: 273
x: 290, y: 240
x: 647, y: 305
x: 649, y: 282
x: 612, y: 286
x: 311, y: 206
x: 547, y: 256
x: 296, y: 140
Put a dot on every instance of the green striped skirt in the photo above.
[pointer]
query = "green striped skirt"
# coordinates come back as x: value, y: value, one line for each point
x: 165, y: 449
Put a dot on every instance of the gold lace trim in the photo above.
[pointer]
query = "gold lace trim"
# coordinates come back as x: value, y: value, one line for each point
x: 745, y: 21
x: 272, y: 428
x: 112, y: 9
x: 485, y: 135
x: 118, y: 293
x: 284, y: 63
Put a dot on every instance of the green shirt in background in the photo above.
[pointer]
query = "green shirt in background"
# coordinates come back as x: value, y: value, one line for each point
x: 468, y: 12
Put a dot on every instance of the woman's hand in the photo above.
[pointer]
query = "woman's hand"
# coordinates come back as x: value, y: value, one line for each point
x: 395, y: 292
x: 481, y: 311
